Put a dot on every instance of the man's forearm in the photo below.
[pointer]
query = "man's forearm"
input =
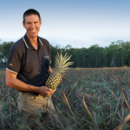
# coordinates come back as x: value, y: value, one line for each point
x: 19, y: 85
x: 50, y: 70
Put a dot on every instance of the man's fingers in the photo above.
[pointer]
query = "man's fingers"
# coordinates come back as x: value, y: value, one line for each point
x: 54, y: 89
x: 51, y: 90
x: 47, y: 89
x: 60, y: 78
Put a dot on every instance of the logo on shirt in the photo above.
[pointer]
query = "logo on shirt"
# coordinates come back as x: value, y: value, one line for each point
x: 46, y: 57
x: 11, y: 65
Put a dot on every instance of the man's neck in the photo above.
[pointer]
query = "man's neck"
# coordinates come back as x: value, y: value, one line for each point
x: 33, y: 41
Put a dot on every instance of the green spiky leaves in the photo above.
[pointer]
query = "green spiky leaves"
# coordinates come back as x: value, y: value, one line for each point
x: 61, y: 63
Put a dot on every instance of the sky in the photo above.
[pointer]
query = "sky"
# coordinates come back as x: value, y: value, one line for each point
x: 79, y: 23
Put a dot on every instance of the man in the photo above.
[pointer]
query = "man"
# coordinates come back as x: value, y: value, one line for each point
x: 27, y: 70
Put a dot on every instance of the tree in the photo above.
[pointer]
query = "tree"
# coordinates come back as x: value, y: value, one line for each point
x: 4, y: 51
x: 112, y: 54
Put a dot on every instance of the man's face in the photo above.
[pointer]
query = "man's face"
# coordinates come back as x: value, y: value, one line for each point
x: 32, y: 25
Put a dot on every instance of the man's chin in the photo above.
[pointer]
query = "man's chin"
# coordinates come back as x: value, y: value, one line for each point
x: 33, y: 36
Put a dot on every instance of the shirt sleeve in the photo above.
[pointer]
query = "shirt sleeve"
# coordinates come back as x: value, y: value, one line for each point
x: 14, y: 61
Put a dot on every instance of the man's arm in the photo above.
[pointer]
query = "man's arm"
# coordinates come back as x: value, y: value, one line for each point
x: 13, y: 82
x: 50, y: 70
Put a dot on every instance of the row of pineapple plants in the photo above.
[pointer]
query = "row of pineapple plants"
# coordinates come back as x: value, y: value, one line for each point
x: 86, y: 99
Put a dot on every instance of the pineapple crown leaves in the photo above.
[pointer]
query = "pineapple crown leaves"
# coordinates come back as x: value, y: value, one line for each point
x: 61, y: 63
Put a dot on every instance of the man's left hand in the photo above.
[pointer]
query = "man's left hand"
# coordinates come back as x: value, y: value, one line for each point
x: 60, y: 79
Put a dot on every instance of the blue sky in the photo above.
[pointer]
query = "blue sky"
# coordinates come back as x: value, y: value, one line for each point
x: 80, y: 23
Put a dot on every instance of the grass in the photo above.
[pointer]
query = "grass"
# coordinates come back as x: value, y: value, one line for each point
x: 86, y: 99
x: 2, y: 72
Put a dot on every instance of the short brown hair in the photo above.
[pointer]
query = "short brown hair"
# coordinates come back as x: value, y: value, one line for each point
x: 30, y: 12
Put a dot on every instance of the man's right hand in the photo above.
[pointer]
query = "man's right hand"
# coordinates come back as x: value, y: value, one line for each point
x: 45, y: 91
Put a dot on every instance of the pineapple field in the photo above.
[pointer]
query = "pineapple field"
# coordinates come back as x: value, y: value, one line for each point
x: 86, y: 99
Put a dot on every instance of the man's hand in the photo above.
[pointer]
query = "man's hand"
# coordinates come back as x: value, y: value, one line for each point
x: 60, y: 78
x: 45, y: 91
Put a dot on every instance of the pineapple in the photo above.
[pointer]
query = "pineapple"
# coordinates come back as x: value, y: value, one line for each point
x: 60, y: 67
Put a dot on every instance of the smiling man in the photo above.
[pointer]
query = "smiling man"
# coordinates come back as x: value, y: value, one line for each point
x: 28, y: 69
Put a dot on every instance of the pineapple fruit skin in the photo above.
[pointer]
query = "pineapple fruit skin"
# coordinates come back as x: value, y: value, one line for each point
x: 53, y: 81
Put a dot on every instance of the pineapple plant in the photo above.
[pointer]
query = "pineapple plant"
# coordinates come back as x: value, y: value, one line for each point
x: 60, y: 67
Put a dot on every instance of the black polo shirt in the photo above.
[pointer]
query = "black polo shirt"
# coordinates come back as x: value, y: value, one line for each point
x: 30, y: 65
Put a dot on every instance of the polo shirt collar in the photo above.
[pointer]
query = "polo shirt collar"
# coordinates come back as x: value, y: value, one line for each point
x: 29, y: 45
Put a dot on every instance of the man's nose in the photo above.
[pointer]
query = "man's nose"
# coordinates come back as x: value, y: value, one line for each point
x: 32, y: 25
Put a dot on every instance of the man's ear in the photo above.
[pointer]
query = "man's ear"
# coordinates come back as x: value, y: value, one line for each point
x: 40, y: 22
x: 23, y: 24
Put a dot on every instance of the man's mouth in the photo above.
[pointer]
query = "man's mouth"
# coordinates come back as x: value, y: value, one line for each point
x: 33, y: 30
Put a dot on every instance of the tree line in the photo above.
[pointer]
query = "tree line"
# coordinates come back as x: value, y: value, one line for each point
x: 117, y: 54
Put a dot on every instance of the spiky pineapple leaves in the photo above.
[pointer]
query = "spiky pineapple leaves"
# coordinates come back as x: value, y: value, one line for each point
x: 61, y: 63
